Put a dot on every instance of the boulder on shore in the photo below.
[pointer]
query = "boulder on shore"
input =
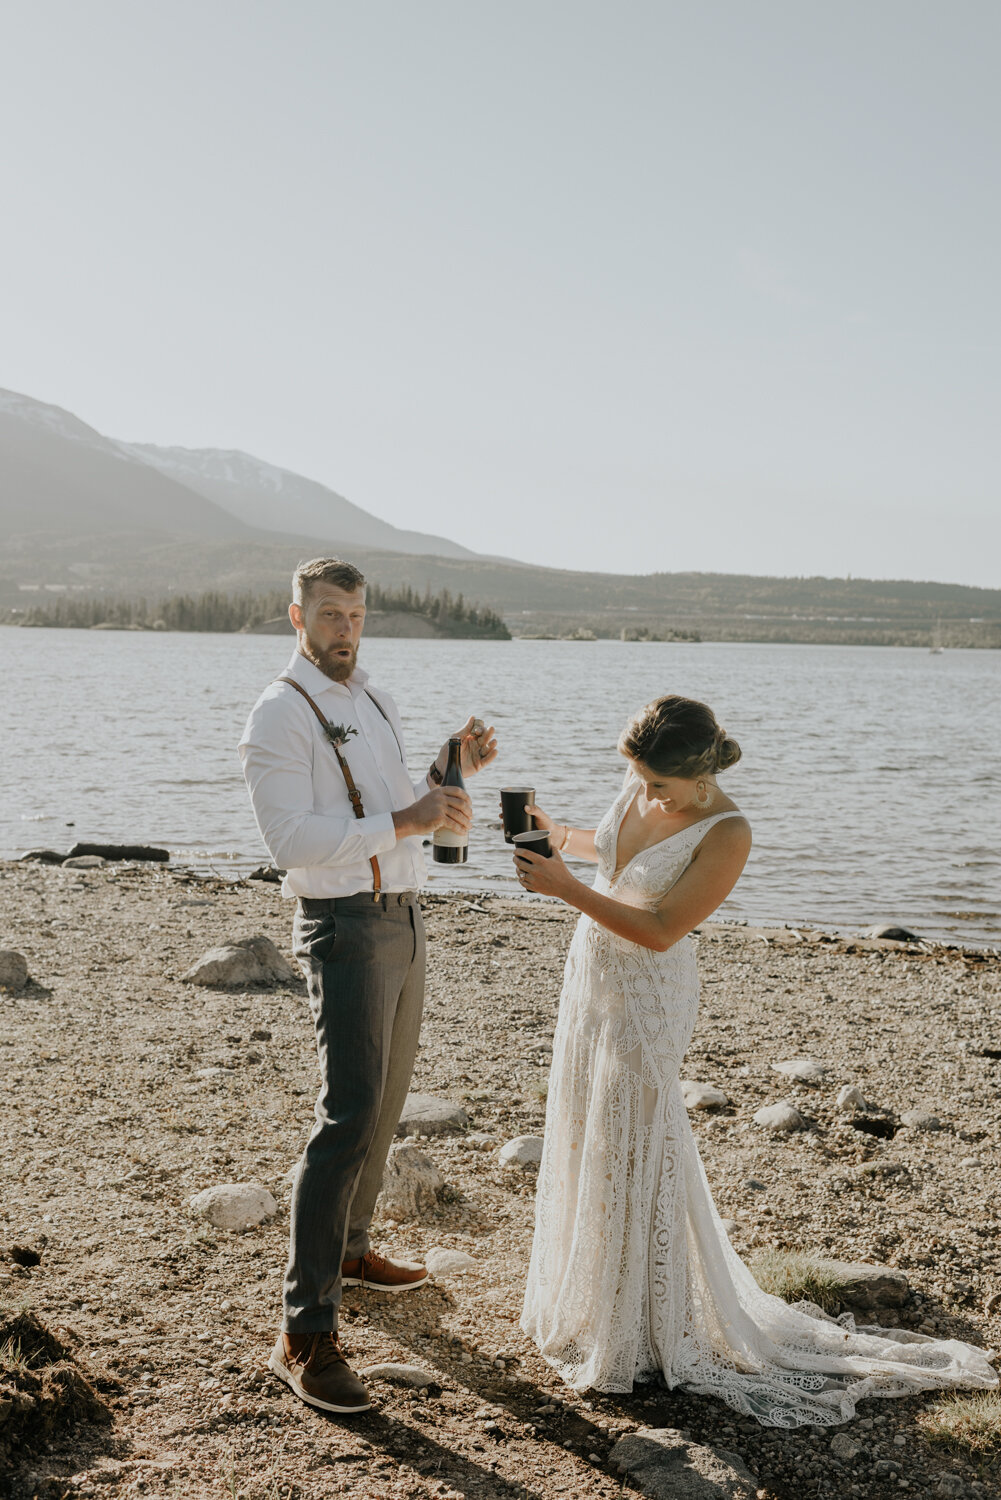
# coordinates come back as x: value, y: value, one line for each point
x: 523, y: 1151
x: 423, y: 1114
x: 779, y: 1118
x: 801, y: 1069
x: 702, y: 1095
x: 13, y: 970
x: 122, y: 851
x: 235, y: 1205
x: 239, y: 963
x: 411, y: 1184
x: 865, y: 1288
x: 664, y: 1466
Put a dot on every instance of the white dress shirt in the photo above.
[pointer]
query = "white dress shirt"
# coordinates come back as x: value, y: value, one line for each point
x: 298, y: 792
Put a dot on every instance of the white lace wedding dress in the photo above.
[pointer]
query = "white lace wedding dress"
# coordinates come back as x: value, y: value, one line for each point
x: 631, y: 1270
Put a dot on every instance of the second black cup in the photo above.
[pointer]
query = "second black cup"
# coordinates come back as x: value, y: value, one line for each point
x: 537, y: 839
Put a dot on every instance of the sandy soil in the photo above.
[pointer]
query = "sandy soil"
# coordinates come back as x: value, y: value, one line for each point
x: 109, y: 1126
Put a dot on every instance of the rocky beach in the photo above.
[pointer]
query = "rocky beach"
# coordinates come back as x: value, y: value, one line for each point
x: 849, y: 1109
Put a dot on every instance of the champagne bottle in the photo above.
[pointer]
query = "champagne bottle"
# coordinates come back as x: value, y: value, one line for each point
x: 449, y: 847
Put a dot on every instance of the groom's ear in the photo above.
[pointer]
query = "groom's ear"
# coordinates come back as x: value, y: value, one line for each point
x: 295, y: 615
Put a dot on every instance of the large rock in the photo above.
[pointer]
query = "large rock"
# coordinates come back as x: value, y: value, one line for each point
x: 802, y: 1069
x: 443, y: 1262
x: 523, y: 1151
x: 664, y: 1466
x: 894, y: 934
x: 844, y: 1448
x: 122, y: 851
x: 13, y: 970
x: 702, y: 1095
x: 779, y: 1118
x: 850, y: 1099
x: 239, y: 963
x: 867, y: 1288
x: 423, y: 1114
x: 235, y: 1205
x: 411, y: 1375
x: 920, y: 1119
x: 411, y: 1184
x: 43, y: 856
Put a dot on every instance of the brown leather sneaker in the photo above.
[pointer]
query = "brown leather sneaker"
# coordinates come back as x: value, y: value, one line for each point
x: 383, y: 1274
x: 314, y: 1366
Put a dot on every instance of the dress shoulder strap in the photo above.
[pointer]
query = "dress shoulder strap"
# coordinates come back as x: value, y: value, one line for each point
x: 708, y: 823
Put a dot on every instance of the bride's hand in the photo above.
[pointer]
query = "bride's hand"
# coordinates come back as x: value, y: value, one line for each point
x: 541, y: 819
x: 542, y: 876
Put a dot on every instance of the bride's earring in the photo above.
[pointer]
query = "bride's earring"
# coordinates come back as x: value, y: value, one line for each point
x: 703, y: 796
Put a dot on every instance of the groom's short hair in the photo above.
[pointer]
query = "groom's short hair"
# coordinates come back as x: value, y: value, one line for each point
x: 335, y: 570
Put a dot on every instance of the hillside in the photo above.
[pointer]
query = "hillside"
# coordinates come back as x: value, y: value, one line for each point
x: 83, y: 514
x: 275, y: 499
x: 76, y: 505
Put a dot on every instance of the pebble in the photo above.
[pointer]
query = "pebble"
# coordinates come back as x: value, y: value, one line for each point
x: 850, y: 1099
x: 920, y: 1119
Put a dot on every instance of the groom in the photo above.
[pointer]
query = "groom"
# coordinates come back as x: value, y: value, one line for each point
x: 324, y: 763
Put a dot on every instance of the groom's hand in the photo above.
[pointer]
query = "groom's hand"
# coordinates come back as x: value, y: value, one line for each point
x: 445, y: 807
x: 479, y: 747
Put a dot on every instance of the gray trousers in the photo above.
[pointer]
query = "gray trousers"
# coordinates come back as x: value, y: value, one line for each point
x: 364, y: 965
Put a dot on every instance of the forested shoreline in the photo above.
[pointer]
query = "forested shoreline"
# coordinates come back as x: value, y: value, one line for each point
x: 216, y: 610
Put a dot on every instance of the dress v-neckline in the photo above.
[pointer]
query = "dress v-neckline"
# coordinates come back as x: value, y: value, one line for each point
x: 729, y: 812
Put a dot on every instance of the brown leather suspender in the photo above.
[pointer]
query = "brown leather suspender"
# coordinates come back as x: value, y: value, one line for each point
x: 354, y: 795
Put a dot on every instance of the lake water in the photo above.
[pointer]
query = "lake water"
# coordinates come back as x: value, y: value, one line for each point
x: 870, y: 775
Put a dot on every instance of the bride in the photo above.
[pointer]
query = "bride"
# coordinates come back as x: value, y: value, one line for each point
x: 632, y: 1272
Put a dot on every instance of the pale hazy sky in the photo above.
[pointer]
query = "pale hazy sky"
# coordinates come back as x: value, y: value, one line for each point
x: 635, y: 286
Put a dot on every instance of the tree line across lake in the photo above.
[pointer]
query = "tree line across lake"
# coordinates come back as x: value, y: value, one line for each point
x: 219, y: 611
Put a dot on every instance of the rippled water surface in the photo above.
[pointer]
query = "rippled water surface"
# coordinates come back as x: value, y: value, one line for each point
x: 869, y: 775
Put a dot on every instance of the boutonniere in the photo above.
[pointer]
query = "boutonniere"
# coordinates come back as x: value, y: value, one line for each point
x: 337, y: 734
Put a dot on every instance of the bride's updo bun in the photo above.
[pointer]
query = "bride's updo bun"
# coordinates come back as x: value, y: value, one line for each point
x: 678, y: 737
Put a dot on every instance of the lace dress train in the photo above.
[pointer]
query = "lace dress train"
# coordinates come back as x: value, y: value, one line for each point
x: 631, y: 1271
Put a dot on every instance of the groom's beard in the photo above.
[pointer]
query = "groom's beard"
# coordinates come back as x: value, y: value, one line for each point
x: 337, y: 668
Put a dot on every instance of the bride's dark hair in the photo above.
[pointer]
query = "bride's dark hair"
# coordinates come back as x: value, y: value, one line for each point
x: 678, y: 737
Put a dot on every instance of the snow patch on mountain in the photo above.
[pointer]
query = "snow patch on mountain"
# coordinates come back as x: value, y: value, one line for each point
x: 54, y: 419
x: 226, y: 465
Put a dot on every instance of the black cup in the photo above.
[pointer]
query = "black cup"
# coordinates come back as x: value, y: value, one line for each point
x: 513, y: 814
x: 537, y: 840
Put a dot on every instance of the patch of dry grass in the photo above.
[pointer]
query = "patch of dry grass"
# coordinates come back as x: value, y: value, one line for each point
x: 798, y: 1276
x: 968, y: 1423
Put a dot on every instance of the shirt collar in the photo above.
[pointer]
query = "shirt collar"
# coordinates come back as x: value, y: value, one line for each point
x: 315, y: 681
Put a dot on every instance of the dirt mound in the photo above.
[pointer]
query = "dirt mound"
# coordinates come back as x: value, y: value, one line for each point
x: 43, y: 1391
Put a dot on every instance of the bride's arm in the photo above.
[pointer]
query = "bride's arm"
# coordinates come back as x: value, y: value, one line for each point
x: 707, y: 882
x: 577, y: 843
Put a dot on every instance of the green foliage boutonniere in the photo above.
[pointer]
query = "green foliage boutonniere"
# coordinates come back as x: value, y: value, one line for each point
x: 337, y: 734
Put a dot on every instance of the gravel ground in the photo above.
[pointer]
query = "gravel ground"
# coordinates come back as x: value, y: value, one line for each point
x: 109, y: 1126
